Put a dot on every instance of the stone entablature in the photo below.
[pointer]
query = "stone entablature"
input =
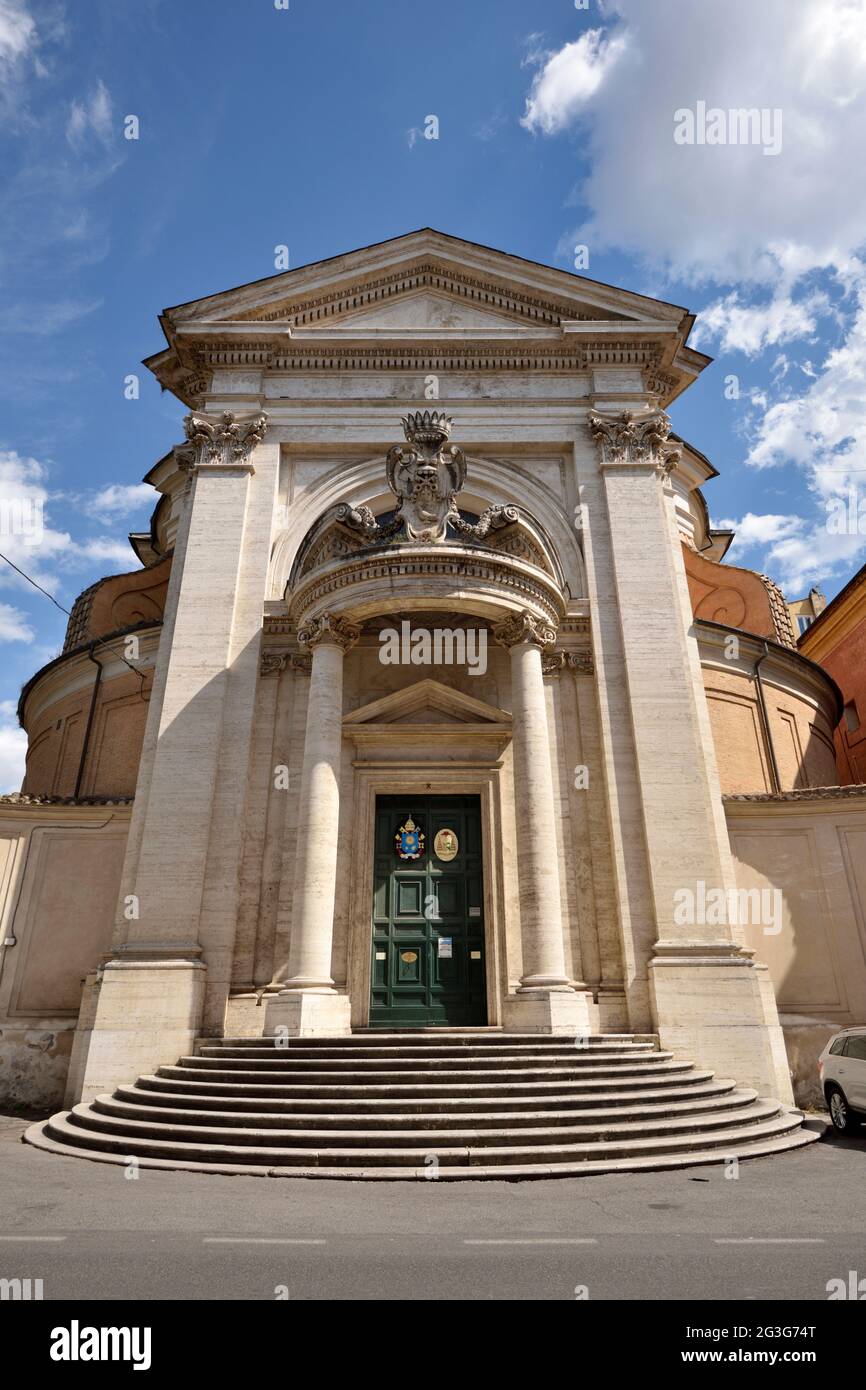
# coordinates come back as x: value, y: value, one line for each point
x: 481, y: 581
x: 311, y: 321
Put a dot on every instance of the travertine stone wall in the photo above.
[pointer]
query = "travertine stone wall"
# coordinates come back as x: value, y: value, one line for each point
x: 812, y: 849
x: 59, y: 876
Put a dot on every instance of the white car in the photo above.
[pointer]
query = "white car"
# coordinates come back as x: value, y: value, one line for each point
x: 842, y: 1071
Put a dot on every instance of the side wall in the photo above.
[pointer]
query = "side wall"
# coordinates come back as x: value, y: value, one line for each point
x: 83, y: 723
x: 801, y: 705
x: 812, y: 849
x: 59, y: 879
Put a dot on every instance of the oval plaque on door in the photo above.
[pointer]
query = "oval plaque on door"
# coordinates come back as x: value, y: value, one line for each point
x: 445, y: 845
x: 409, y: 957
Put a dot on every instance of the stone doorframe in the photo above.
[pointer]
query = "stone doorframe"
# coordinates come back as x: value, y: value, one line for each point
x: 428, y: 779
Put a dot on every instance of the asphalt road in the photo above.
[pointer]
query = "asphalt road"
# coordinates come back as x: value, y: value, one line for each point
x: 781, y: 1230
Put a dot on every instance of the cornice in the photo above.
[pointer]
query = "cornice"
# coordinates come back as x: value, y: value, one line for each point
x: 60, y: 671
x: 465, y: 350
x: 495, y: 580
x: 854, y: 792
x: 23, y: 801
x: 809, y: 679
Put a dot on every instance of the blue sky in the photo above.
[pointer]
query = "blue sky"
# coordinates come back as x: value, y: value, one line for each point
x: 260, y: 126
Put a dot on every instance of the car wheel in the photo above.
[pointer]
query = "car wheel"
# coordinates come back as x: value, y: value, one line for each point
x: 843, y: 1117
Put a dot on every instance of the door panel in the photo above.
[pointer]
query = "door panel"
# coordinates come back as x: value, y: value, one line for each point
x: 428, y: 917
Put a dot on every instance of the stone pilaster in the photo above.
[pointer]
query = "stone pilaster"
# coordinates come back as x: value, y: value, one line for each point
x: 309, y: 1003
x: 545, y: 1000
x: 177, y: 911
x: 697, y: 971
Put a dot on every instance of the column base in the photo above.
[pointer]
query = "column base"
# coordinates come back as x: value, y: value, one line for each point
x: 303, y: 1014
x: 715, y: 1006
x: 550, y: 1011
x: 135, y: 1016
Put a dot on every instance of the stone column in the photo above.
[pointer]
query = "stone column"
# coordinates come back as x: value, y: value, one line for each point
x: 149, y: 998
x: 309, y: 1004
x: 709, y: 999
x: 545, y: 1000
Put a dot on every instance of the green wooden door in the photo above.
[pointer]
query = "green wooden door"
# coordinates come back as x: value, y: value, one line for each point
x: 428, y: 916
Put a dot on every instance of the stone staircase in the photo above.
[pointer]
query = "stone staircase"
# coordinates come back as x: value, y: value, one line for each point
x: 418, y: 1104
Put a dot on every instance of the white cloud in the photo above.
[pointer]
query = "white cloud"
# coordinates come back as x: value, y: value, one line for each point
x: 13, y: 625
x: 43, y: 319
x: 750, y: 328
x: 17, y: 32
x: 117, y: 556
x: 93, y: 114
x: 120, y: 499
x: 760, y: 529
x: 53, y: 553
x: 717, y: 211
x: 797, y: 552
x: 728, y: 216
x: 804, y: 561
x: 823, y: 429
x: 535, y: 50
x: 570, y: 78
x: 13, y: 749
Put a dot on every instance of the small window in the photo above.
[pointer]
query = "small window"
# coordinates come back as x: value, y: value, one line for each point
x: 852, y: 718
x: 804, y: 621
x: 838, y: 1047
x: 857, y: 1047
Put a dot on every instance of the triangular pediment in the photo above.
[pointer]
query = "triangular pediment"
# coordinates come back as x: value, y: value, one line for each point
x: 426, y: 702
x: 435, y: 271
x: 393, y: 298
x: 427, y: 294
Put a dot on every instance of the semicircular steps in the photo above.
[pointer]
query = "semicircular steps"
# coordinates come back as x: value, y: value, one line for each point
x: 448, y: 1105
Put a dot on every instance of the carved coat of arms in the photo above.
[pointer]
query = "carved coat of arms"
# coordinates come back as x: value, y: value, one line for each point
x: 425, y: 475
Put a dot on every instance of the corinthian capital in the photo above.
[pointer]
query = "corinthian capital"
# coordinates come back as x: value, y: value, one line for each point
x: 222, y: 441
x: 634, y: 439
x: 523, y: 627
x: 328, y: 628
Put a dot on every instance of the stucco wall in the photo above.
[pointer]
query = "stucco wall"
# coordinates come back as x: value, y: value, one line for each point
x: 812, y: 848
x: 59, y: 878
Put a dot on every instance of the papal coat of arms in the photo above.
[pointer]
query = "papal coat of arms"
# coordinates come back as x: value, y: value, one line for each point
x: 409, y: 840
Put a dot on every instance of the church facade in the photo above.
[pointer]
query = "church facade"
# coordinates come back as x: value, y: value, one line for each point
x: 433, y: 706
